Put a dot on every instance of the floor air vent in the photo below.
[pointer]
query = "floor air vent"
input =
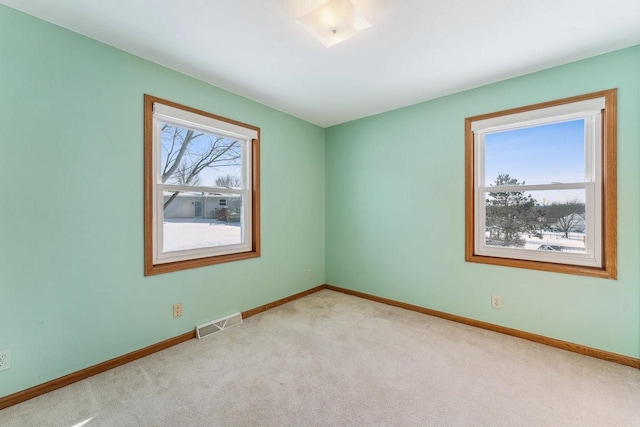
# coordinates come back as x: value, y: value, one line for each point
x: 218, y: 325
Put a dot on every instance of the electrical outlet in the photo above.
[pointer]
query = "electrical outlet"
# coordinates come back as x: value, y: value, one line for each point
x: 496, y: 301
x: 177, y: 309
x: 5, y: 359
x: 309, y: 274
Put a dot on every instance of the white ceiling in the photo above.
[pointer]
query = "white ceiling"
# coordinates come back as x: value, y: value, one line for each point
x: 416, y: 50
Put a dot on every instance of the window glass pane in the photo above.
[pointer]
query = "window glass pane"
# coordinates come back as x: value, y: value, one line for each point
x: 190, y: 157
x: 552, y: 153
x: 536, y: 220
x: 194, y: 220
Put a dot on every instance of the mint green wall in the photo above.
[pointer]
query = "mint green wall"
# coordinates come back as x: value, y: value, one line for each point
x: 395, y: 212
x: 72, y: 290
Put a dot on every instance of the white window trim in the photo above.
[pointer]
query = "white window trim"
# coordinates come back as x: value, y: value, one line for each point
x: 591, y: 111
x: 166, y: 114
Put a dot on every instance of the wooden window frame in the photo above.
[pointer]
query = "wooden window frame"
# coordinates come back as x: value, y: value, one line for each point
x: 150, y: 266
x: 608, y: 268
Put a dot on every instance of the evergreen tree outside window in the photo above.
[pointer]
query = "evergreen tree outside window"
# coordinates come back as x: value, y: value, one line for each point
x: 541, y: 186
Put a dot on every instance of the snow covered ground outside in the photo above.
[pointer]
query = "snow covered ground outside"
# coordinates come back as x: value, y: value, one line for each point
x: 574, y: 243
x: 193, y: 233
x: 190, y: 233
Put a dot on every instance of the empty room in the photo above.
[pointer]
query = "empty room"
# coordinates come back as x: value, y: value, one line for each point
x: 325, y: 212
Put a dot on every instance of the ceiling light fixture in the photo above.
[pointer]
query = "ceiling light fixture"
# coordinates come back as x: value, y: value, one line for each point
x: 334, y: 22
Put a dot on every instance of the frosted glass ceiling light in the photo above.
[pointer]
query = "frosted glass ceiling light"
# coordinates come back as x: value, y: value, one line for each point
x: 334, y: 22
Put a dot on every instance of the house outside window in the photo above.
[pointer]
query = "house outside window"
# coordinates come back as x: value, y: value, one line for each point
x: 541, y: 186
x: 195, y: 162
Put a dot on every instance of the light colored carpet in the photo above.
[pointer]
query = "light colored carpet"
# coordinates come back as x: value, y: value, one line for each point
x: 331, y: 359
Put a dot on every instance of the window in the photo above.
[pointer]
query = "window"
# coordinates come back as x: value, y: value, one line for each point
x: 194, y: 163
x: 541, y: 186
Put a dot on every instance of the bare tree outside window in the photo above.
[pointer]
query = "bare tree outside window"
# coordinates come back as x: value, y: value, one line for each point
x: 566, y: 217
x: 228, y: 181
x: 188, y: 154
x: 565, y: 150
x: 202, y: 188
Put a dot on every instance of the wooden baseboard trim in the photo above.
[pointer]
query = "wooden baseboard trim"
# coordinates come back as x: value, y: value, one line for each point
x: 30, y: 393
x: 279, y: 302
x: 564, y: 345
x: 82, y: 374
x: 35, y: 391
